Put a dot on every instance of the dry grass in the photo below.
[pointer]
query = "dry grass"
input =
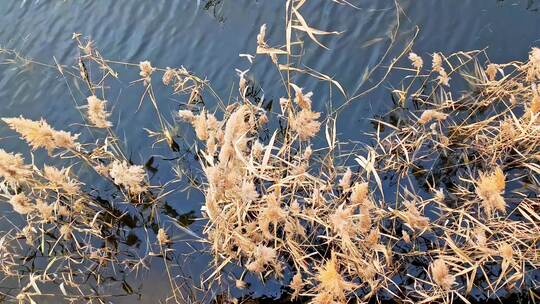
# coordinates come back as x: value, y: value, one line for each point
x: 442, y: 204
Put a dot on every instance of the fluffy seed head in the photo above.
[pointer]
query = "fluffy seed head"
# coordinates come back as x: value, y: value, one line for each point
x: 261, y: 36
x: 305, y: 124
x: 414, y: 218
x: 491, y: 71
x: 440, y: 274
x: 302, y: 99
x: 186, y: 115
x: 162, y: 236
x: 359, y: 193
x: 21, y: 203
x: 168, y: 76
x: 443, y: 78
x: 65, y: 231
x: 146, y: 69
x: 39, y: 134
x: 506, y: 251
x: 46, y: 211
x: 437, y: 62
x: 97, y: 113
x: 345, y: 181
x: 416, y: 61
x: 429, y: 115
x: 248, y: 192
x: 341, y: 221
x: 331, y: 281
x: 12, y: 168
x: 130, y: 176
x: 489, y: 188
x: 59, y: 180
x: 296, y: 285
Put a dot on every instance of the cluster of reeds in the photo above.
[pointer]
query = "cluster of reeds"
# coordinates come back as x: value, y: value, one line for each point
x: 75, y: 237
x: 474, y: 159
x: 441, y: 205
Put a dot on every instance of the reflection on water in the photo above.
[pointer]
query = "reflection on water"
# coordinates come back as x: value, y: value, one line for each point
x: 216, y: 8
x: 207, y: 37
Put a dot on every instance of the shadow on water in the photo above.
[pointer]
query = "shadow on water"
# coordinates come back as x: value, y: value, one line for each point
x: 216, y: 8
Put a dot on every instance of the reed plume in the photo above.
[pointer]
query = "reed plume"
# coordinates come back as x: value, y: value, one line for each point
x: 97, y: 113
x: 440, y: 273
x: 146, y: 71
x: 131, y: 177
x: 12, y: 168
x: 416, y: 61
x: 331, y: 284
x: 489, y: 188
x: 21, y: 203
x: 39, y: 134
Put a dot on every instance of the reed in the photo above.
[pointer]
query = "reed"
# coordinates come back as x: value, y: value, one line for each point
x: 441, y: 204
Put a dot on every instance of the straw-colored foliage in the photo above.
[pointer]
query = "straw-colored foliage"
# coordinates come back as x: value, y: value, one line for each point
x: 440, y: 203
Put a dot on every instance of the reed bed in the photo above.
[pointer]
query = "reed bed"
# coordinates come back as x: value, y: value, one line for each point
x: 456, y: 215
x: 76, y: 238
x: 440, y: 206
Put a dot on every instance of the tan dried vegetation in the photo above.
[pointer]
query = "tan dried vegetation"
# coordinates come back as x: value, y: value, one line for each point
x: 458, y: 199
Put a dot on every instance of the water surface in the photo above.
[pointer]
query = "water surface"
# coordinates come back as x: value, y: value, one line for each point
x: 207, y: 38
